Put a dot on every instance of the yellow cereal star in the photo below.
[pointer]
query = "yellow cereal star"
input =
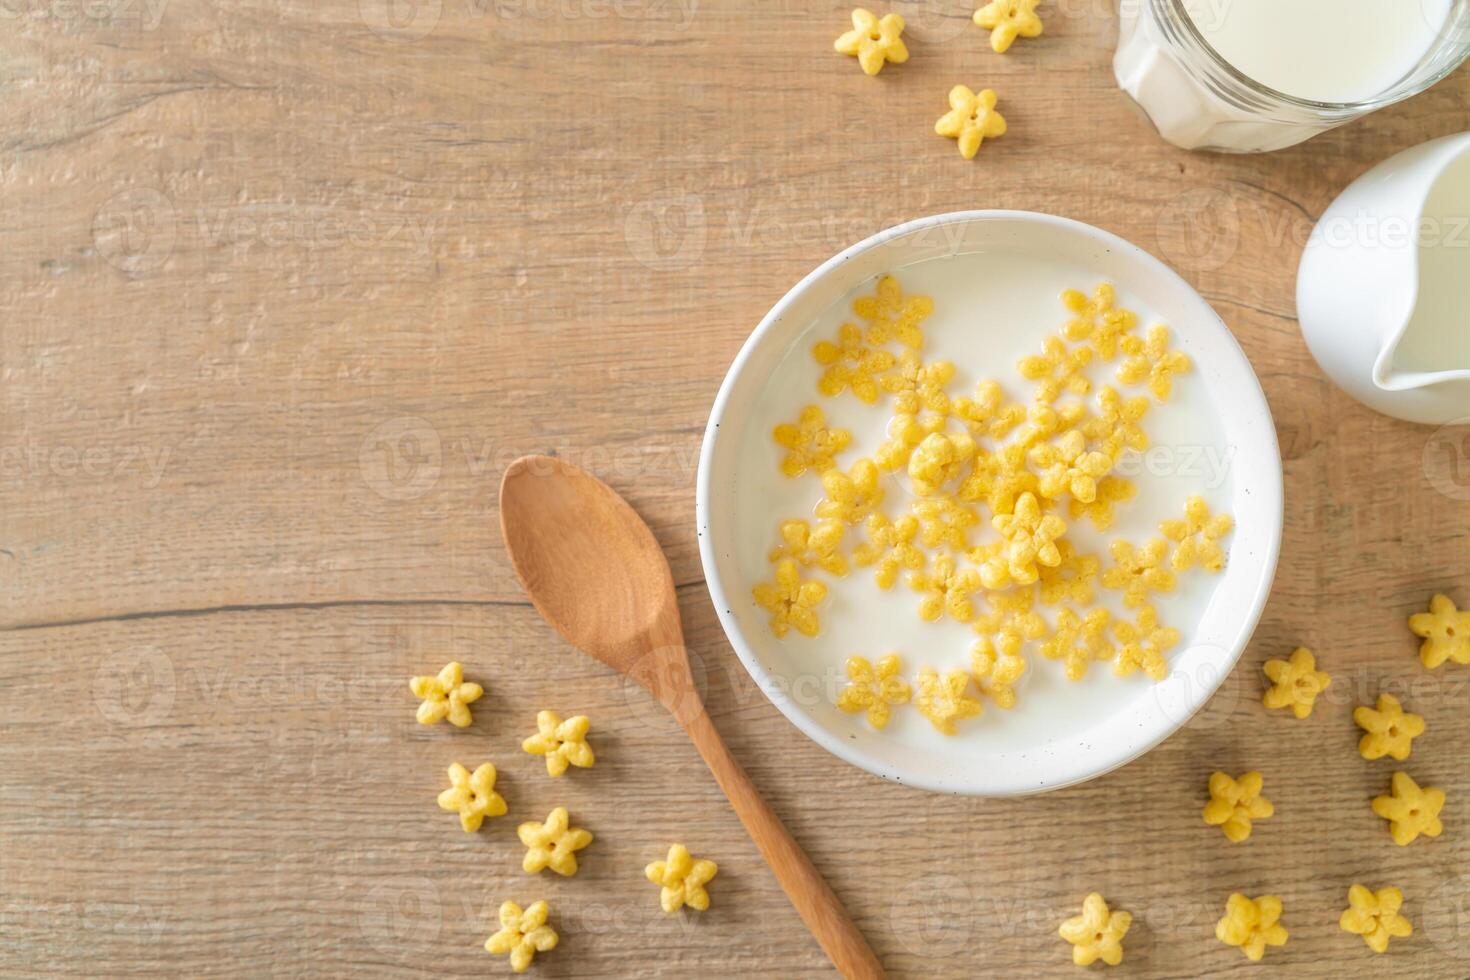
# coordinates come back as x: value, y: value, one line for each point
x: 1080, y: 640
x: 1030, y: 538
x: 1071, y: 579
x: 891, y: 315
x: 851, y: 365
x: 473, y: 797
x: 1445, y: 630
x: 999, y: 479
x: 1136, y: 572
x: 1375, y: 916
x: 681, y: 879
x: 873, y: 42
x: 809, y: 443
x: 1057, y: 369
x: 1118, y: 422
x: 445, y: 696
x: 553, y: 844
x: 1251, y: 925
x: 563, y: 743
x: 819, y: 547
x: 1410, y: 811
x: 1070, y: 468
x: 1007, y: 20
x: 940, y: 458
x: 851, y: 496
x: 945, y: 523
x: 1197, y: 537
x: 1043, y: 420
x: 1295, y: 682
x: 971, y: 119
x: 1097, y: 320
x: 996, y: 671
x: 946, y: 589
x: 1388, y: 729
x: 1151, y: 360
x: 905, y: 432
x: 945, y: 700
x: 986, y: 413
x: 1111, y: 491
x: 917, y: 386
x: 522, y: 934
x: 891, y: 548
x: 1234, y: 803
x: 1096, y: 934
x: 790, y: 600
x: 874, y: 689
x: 1144, y: 644
x: 996, y: 658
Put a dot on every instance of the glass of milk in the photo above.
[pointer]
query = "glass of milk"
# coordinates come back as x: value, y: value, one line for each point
x: 1248, y: 76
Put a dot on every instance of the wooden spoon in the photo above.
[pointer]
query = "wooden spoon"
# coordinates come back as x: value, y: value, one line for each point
x: 593, y: 569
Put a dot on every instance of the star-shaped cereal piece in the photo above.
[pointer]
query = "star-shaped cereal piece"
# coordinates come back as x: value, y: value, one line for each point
x: 1068, y: 467
x: 851, y: 364
x: 892, y: 315
x: 917, y: 386
x: 1096, y: 934
x: 1007, y: 20
x: 445, y: 695
x: 1388, y: 729
x: 1234, y: 803
x: 1111, y: 491
x: 1251, y: 925
x: 851, y: 496
x: 1043, y: 420
x: 1118, y: 422
x: 809, y: 443
x: 971, y: 119
x: 563, y: 743
x: 1078, y: 641
x: 790, y: 600
x: 522, y: 934
x: 819, y: 547
x: 946, y: 588
x: 945, y: 700
x: 1151, y: 360
x: 999, y: 478
x: 996, y: 671
x: 1097, y: 319
x: 1445, y: 630
x: 1409, y: 810
x: 939, y: 459
x: 1030, y: 538
x: 1295, y: 683
x: 945, y: 523
x: 1375, y: 916
x: 1197, y: 537
x: 874, y: 689
x: 1137, y: 572
x: 472, y: 796
x: 1071, y: 579
x: 1057, y: 369
x: 1145, y: 642
x: 996, y: 659
x: 890, y: 547
x: 905, y: 432
x: 681, y: 879
x: 987, y: 413
x: 553, y: 844
x: 873, y: 41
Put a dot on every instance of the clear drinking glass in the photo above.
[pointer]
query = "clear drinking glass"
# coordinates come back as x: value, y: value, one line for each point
x: 1198, y: 100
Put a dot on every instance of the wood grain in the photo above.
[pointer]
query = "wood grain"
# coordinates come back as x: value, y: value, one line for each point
x: 288, y: 284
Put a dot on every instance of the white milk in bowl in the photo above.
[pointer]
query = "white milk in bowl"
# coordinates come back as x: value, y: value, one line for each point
x: 990, y: 309
x: 1295, y: 68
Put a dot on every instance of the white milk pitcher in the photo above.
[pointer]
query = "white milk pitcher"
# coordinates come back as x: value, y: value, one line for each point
x: 1383, y: 290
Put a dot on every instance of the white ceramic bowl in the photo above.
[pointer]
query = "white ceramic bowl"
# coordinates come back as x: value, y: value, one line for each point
x: 1058, y: 743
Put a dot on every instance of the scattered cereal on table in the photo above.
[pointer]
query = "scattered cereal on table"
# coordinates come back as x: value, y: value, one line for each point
x: 945, y: 700
x: 891, y: 315
x: 791, y: 600
x: 819, y: 547
x: 971, y: 119
x: 1375, y: 916
x: 1388, y: 730
x: 1295, y: 683
x: 1007, y: 20
x: 1137, y: 572
x: 874, y: 688
x: 1197, y: 537
x: 851, y: 365
x: 522, y: 934
x: 946, y: 588
x: 472, y: 796
x: 809, y: 443
x: 445, y: 695
x: 1409, y: 810
x: 1096, y: 934
x: 681, y: 879
x: 1251, y: 925
x: 1445, y: 630
x: 873, y: 41
x: 563, y: 743
x: 1151, y: 360
x: 1235, y: 803
x: 890, y: 547
x: 553, y: 844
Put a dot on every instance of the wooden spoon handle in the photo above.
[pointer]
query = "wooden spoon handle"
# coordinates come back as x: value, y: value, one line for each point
x: 804, y: 885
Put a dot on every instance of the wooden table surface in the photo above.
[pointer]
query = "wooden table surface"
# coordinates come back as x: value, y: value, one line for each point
x: 286, y: 284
